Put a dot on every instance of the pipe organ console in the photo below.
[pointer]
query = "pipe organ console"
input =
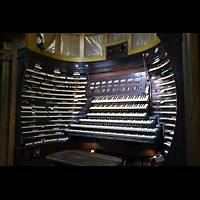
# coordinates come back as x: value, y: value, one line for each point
x: 125, y: 101
x: 120, y: 116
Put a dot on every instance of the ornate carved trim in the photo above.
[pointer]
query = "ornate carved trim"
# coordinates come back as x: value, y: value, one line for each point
x: 5, y: 54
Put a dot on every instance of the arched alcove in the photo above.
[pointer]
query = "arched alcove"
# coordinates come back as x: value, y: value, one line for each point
x: 84, y: 62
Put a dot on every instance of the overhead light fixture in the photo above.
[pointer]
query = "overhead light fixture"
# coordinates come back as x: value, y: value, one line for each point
x: 40, y: 44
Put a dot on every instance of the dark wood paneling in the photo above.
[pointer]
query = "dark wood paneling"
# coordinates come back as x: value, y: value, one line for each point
x: 116, y: 51
x: 173, y: 45
x: 195, y: 60
x: 192, y: 108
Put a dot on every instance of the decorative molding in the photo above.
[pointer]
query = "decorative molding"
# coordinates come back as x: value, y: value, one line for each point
x: 5, y: 55
x: 31, y: 43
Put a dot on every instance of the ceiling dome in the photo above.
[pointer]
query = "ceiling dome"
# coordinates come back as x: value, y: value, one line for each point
x: 84, y: 47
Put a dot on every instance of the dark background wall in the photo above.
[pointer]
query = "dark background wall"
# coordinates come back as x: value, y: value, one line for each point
x: 173, y: 45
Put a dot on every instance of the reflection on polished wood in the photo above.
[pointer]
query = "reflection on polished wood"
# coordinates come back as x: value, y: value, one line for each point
x: 82, y: 158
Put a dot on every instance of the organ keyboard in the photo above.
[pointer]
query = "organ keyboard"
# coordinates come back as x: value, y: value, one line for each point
x: 147, y: 130
x: 121, y: 98
x: 140, y: 138
x: 119, y: 106
x: 119, y: 117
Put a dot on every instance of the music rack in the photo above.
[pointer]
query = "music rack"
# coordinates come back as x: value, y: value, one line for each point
x: 123, y: 84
